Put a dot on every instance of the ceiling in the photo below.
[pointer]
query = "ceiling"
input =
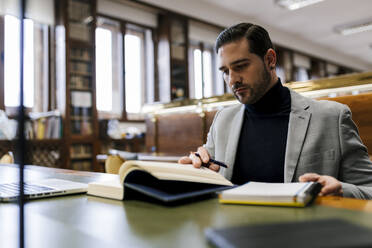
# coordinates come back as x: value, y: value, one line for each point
x: 310, y: 29
x: 315, y: 23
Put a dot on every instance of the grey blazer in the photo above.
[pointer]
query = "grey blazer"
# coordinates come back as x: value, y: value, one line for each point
x: 322, y: 138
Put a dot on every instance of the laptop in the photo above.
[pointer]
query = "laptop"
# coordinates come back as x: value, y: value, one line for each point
x: 40, y: 189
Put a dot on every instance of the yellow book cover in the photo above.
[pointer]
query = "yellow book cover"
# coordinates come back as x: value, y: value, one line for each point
x: 40, y: 131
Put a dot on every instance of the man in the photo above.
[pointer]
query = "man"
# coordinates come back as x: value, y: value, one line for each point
x: 277, y: 135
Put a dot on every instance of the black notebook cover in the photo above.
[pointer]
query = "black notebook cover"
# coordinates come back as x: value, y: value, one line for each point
x: 308, y: 234
x: 142, y: 185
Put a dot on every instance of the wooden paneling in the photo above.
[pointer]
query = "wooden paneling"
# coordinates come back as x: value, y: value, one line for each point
x: 209, y: 117
x: 179, y: 133
x: 183, y: 132
x: 174, y: 133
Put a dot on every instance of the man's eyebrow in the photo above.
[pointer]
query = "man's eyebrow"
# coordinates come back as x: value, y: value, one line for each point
x: 234, y: 63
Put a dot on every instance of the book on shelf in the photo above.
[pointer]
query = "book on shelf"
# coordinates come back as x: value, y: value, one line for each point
x: 279, y: 194
x: 80, y: 18
x: 81, y: 165
x: 81, y: 99
x: 82, y: 68
x: 37, y: 115
x: 86, y: 127
x: 45, y: 125
x: 81, y: 127
x: 80, y: 82
x: 79, y: 10
x: 80, y: 151
x: 57, y: 130
x: 82, y: 54
x: 40, y: 131
x: 80, y: 31
x: 160, y: 181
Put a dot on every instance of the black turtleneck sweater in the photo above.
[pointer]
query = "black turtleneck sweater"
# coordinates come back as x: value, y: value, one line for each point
x: 263, y: 138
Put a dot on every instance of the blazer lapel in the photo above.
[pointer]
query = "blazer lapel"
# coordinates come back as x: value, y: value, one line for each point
x: 233, y: 140
x: 297, y: 128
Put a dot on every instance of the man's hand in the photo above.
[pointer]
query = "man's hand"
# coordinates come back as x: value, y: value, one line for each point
x: 331, y: 186
x: 197, y: 162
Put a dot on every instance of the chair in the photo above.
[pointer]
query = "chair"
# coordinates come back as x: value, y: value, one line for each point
x: 7, y: 158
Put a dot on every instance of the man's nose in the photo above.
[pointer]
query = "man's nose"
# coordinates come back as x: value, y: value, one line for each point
x: 234, y: 78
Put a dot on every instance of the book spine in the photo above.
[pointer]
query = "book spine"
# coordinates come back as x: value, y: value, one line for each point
x: 314, y: 189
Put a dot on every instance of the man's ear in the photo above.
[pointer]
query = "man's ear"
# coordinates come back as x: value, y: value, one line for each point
x: 270, y: 59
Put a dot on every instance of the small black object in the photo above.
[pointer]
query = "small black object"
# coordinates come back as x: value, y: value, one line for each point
x: 305, y: 234
x: 211, y: 160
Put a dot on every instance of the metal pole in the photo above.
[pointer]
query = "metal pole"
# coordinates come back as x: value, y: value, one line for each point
x: 21, y: 144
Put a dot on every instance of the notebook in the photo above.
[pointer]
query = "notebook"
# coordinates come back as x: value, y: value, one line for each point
x: 273, y: 194
x: 41, y: 189
x: 305, y: 234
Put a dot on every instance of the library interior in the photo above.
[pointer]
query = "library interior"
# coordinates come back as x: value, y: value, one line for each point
x: 107, y: 81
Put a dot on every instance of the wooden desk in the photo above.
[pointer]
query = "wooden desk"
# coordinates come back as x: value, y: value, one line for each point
x: 87, y: 221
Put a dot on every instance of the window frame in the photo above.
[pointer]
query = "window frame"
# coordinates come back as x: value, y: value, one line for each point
x: 12, y: 111
x: 103, y: 115
x: 135, y: 32
x: 203, y: 46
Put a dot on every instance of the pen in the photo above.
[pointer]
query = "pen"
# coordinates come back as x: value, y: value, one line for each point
x: 211, y: 160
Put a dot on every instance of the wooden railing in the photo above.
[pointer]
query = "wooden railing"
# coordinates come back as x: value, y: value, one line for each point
x: 182, y: 131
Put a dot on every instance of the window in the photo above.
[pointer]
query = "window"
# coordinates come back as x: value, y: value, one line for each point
x: 109, y: 72
x: 207, y: 73
x: 206, y: 81
x: 104, y: 74
x: 198, y: 74
x: 133, y: 73
x: 112, y: 81
x: 202, y: 73
x: 35, y: 69
x: 139, y: 70
x: 301, y: 74
x: 301, y: 66
x: 12, y: 62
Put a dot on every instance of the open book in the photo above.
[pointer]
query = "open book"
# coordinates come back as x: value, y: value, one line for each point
x: 167, y: 182
x: 280, y: 194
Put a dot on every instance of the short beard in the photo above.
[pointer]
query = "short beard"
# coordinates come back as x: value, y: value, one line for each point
x: 258, y: 92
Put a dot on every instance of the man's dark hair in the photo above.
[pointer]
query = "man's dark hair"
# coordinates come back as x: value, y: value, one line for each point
x: 258, y: 38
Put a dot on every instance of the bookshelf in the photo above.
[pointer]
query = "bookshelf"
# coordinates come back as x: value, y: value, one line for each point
x: 173, y: 58
x: 43, y: 152
x: 178, y: 54
x: 43, y: 133
x: 75, y: 31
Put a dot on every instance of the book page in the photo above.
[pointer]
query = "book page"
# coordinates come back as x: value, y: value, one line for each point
x: 111, y: 189
x: 174, y: 171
